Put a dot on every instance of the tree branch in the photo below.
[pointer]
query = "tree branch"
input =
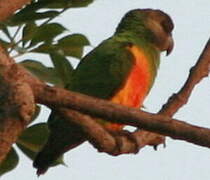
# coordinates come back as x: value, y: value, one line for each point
x: 17, y: 107
x: 124, y: 115
x: 197, y: 73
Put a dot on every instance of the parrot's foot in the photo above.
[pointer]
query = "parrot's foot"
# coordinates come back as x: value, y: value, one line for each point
x: 126, y: 143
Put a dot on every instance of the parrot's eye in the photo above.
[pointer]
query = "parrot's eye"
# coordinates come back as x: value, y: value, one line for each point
x: 167, y: 25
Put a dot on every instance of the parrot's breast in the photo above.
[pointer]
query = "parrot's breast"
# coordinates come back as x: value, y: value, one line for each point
x: 137, y: 84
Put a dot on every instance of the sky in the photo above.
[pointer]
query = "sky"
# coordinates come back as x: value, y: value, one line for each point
x: 179, y: 160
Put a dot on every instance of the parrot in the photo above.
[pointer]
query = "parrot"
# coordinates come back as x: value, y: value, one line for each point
x: 121, y: 69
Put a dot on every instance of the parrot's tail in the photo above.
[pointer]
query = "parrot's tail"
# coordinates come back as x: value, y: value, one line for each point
x: 62, y: 138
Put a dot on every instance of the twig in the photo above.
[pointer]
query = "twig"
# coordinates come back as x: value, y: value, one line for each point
x: 197, y: 73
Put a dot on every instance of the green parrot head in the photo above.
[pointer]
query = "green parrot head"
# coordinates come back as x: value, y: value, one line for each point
x: 152, y: 25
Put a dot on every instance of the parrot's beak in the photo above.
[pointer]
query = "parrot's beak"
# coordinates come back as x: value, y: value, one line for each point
x: 170, y: 45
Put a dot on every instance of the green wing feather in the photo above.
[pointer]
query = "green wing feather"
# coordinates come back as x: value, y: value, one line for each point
x: 104, y: 70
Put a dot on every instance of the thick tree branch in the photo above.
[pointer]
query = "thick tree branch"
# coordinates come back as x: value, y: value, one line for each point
x: 120, y: 114
x: 17, y: 107
x: 17, y: 103
x: 8, y: 7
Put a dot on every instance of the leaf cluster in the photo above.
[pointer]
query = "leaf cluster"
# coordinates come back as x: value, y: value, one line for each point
x: 33, y: 29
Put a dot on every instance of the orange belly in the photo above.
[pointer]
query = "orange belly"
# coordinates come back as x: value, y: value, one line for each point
x: 136, y: 86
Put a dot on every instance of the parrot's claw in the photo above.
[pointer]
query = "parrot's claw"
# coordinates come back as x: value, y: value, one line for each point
x: 164, y: 144
x: 121, y: 147
x: 155, y: 146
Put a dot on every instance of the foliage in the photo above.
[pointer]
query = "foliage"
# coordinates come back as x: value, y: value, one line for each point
x: 37, y: 32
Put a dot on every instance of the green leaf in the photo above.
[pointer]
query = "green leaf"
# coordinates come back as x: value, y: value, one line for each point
x: 83, y: 3
x: 74, y: 40
x: 57, y: 4
x: 30, y: 16
x: 34, y: 137
x: 44, y: 73
x: 45, y: 48
x: 73, y: 45
x: 9, y: 163
x: 29, y: 13
x: 34, y: 6
x: 28, y: 32
x: 32, y: 140
x: 63, y: 67
x: 47, y: 33
x: 29, y: 153
x: 66, y: 3
x: 52, y: 4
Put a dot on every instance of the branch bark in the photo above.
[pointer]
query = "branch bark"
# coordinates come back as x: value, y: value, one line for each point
x: 17, y: 106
